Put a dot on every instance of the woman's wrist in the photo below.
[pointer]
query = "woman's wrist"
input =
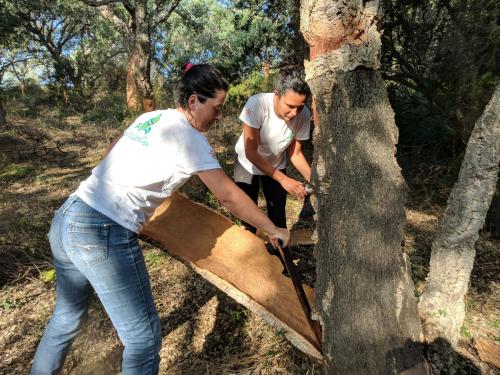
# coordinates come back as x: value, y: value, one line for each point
x: 272, y: 230
x: 278, y: 176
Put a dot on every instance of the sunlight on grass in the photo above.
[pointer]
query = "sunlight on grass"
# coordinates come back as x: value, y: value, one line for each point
x: 16, y: 171
x: 155, y: 257
x: 48, y: 276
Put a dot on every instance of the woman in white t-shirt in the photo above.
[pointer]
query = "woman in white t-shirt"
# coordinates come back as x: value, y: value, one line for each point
x: 274, y: 126
x: 94, y: 235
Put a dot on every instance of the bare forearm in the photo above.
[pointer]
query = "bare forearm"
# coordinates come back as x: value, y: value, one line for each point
x: 240, y: 205
x: 289, y: 184
x: 301, y: 164
x: 265, y: 167
x: 235, y: 200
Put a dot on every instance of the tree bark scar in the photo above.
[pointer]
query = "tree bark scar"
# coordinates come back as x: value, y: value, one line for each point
x: 322, y: 47
x: 320, y: 44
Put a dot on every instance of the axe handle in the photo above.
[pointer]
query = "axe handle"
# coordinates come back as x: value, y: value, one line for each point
x: 292, y: 270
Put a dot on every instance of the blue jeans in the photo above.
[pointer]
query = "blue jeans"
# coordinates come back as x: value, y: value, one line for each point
x: 92, y: 252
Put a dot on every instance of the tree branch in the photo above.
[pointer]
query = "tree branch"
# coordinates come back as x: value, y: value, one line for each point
x: 3, y: 68
x: 130, y: 8
x: 71, y: 32
x: 109, y: 13
x: 401, y: 78
x: 100, y: 3
x: 163, y: 15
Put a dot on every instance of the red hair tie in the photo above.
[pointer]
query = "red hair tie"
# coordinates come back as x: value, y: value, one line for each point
x: 188, y: 66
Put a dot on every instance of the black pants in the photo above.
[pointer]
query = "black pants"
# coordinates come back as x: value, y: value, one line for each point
x: 275, y: 198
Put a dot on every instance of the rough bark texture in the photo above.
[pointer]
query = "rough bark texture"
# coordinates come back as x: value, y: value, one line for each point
x: 364, y: 290
x: 442, y: 306
x: 136, y: 29
x: 136, y: 20
x: 139, y: 58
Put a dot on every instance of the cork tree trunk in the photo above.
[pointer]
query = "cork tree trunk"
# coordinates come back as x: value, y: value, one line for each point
x: 442, y: 306
x: 364, y: 290
x: 136, y: 20
x: 139, y: 85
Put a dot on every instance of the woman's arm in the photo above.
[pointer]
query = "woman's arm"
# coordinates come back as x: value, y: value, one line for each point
x: 237, y: 202
x: 298, y: 159
x: 251, y: 139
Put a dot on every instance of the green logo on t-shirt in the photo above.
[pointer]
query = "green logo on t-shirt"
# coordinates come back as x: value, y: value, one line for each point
x: 140, y: 131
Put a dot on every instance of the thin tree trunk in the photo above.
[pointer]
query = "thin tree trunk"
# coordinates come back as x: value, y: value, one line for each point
x: 3, y: 114
x: 364, y: 288
x: 441, y: 306
x: 64, y: 89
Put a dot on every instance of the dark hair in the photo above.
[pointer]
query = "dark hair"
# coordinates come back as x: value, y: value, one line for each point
x: 292, y: 80
x: 203, y: 80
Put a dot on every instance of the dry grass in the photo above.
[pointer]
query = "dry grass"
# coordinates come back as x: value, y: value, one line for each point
x: 203, y: 330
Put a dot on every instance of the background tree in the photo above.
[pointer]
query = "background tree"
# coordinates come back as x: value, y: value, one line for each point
x: 442, y: 306
x: 6, y: 63
x: 364, y: 288
x: 137, y: 22
x: 12, y: 53
x: 238, y: 36
x: 56, y: 29
x: 440, y: 62
x: 20, y: 71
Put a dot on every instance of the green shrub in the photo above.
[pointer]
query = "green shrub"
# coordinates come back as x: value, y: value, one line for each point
x: 108, y: 108
x: 16, y: 171
x: 29, y: 105
x: 253, y: 84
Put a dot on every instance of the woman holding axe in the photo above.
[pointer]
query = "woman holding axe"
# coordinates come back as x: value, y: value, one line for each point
x: 94, y: 234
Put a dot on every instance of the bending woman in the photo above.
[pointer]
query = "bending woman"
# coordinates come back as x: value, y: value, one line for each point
x: 274, y: 126
x: 94, y: 235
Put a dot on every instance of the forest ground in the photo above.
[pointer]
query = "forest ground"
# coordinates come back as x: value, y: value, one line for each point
x: 42, y: 160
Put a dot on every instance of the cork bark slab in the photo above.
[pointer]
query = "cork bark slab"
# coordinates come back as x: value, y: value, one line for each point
x: 488, y: 352
x: 235, y: 261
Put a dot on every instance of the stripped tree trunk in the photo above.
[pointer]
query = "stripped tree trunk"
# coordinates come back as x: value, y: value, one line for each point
x: 139, y: 87
x: 364, y: 290
x: 139, y: 70
x: 135, y: 20
x: 441, y: 306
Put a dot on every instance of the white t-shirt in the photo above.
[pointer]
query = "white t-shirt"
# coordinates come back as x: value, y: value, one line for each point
x: 156, y: 156
x: 275, y: 134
